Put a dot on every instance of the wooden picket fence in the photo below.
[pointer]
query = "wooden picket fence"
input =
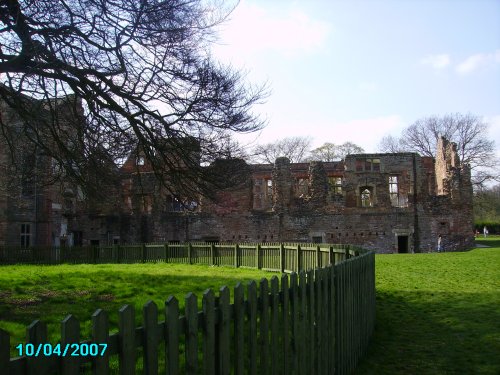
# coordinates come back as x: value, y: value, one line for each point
x: 311, y: 322
x: 280, y: 257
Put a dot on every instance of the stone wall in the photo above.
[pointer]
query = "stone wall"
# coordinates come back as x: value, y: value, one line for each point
x: 386, y: 202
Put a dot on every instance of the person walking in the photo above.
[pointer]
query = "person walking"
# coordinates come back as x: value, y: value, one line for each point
x: 485, y: 231
x: 440, y: 245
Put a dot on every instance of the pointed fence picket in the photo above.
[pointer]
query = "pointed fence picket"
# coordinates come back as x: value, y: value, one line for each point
x: 319, y: 321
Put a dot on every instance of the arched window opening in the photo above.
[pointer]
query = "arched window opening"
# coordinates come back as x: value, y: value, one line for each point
x: 366, y: 197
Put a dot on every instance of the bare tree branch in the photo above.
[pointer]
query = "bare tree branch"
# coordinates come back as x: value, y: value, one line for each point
x: 139, y: 74
x: 294, y: 148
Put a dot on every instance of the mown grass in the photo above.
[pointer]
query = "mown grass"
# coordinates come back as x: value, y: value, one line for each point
x: 437, y: 313
x: 49, y: 293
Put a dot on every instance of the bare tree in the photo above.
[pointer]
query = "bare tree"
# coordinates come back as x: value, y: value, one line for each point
x: 128, y: 75
x: 390, y: 144
x: 294, y: 148
x: 332, y: 152
x: 468, y: 131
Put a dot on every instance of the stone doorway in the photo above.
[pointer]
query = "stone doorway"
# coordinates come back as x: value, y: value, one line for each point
x: 403, y: 244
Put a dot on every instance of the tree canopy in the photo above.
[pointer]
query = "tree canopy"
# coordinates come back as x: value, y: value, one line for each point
x: 468, y: 131
x: 332, y: 152
x: 132, y: 75
x: 293, y: 148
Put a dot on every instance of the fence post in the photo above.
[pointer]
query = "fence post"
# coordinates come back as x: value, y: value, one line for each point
x: 116, y: 253
x: 190, y: 249
x: 299, y: 258
x: 165, y: 247
x: 212, y: 254
x: 318, y: 256
x: 236, y: 248
x: 282, y: 257
x: 257, y: 257
x: 143, y: 249
x: 331, y: 256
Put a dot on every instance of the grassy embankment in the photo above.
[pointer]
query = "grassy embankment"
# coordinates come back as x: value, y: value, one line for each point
x: 437, y: 313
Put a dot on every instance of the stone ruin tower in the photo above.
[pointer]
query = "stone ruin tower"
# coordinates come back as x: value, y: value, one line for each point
x: 452, y: 205
x: 282, y: 185
x: 453, y: 178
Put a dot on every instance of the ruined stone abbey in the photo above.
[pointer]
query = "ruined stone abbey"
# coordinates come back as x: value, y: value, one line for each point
x: 398, y: 202
x: 386, y: 202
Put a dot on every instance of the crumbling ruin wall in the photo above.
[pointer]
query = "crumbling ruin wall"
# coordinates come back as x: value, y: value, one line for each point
x: 408, y: 222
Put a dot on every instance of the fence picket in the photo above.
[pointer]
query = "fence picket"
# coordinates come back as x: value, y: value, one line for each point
x: 100, y: 332
x: 209, y: 332
x: 294, y: 315
x: 126, y: 335
x: 239, y: 329
x: 36, y: 334
x: 264, y: 327
x: 331, y: 323
x: 70, y: 333
x: 304, y: 323
x: 172, y: 335
x: 150, y: 338
x: 275, y: 336
x: 311, y: 305
x: 224, y: 332
x: 285, y: 318
x: 191, y: 334
x: 252, y: 327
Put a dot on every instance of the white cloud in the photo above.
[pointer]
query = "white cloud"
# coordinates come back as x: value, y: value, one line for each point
x: 474, y: 62
x: 255, y: 29
x: 436, y: 61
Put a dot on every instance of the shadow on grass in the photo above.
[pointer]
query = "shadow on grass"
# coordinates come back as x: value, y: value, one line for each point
x: 83, y: 293
x: 493, y: 241
x: 435, y: 333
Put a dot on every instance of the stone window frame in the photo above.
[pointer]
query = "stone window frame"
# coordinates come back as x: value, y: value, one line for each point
x: 366, y: 197
x: 25, y: 235
x: 394, y: 190
x: 373, y: 195
x: 268, y: 188
x: 368, y: 164
x: 335, y: 185
x: 395, y: 196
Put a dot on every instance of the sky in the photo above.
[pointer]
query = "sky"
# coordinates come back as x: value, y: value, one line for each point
x: 356, y: 71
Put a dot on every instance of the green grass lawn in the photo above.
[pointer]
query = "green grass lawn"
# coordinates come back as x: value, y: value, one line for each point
x: 49, y: 293
x: 437, y: 313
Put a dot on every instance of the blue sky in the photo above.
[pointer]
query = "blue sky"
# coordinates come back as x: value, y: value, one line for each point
x: 358, y: 70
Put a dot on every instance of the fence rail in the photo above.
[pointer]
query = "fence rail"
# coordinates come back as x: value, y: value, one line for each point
x: 317, y: 321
